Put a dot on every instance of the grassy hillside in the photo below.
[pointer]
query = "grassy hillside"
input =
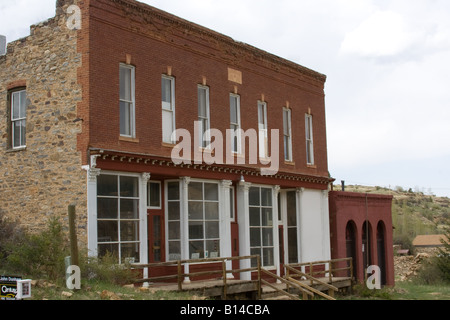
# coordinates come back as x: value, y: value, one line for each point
x: 413, y: 212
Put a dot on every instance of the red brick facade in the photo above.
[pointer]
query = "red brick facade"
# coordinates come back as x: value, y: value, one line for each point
x: 157, y: 43
x: 361, y: 227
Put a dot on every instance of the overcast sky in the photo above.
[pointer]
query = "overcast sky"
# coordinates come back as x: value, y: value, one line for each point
x: 388, y: 74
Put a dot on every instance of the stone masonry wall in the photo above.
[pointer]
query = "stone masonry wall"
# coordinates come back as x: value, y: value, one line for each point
x: 43, y: 179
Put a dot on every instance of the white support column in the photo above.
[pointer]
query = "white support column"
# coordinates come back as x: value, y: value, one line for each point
x: 184, y: 220
x: 244, y: 226
x: 300, y: 222
x: 325, y: 226
x: 92, y: 174
x: 225, y: 223
x: 143, y: 223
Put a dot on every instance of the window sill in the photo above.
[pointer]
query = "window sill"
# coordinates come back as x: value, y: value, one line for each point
x: 168, y: 145
x: 311, y: 166
x: 128, y: 139
x: 10, y: 150
x: 289, y: 163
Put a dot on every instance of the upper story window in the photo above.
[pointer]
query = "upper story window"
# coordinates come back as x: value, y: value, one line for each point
x: 127, y: 101
x: 203, y: 116
x: 18, y: 119
x: 168, y: 108
x: 262, y: 129
x: 235, y: 122
x: 309, y: 140
x: 287, y: 134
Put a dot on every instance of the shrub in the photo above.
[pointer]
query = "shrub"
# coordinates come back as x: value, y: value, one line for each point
x: 10, y: 231
x: 39, y: 255
x: 106, y: 269
x: 443, y: 258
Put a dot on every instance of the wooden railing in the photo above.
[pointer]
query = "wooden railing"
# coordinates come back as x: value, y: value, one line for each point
x: 331, y: 288
x: 303, y: 289
x: 181, y: 274
x: 329, y: 268
x: 293, y: 271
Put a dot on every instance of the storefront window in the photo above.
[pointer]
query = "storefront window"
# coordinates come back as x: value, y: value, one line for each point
x: 118, y: 217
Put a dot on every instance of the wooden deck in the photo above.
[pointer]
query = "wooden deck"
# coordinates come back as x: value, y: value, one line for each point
x: 243, y: 289
x: 303, y: 279
x: 235, y: 289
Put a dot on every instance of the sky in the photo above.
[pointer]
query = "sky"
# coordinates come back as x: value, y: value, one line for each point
x: 387, y: 64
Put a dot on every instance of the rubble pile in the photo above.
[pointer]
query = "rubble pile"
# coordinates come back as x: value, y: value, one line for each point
x: 407, y: 267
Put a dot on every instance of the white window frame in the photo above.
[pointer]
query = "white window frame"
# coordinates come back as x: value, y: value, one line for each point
x: 236, y: 126
x: 232, y: 204
x: 140, y: 236
x: 287, y: 227
x: 148, y: 195
x: 205, y: 220
x: 132, y: 102
x: 261, y: 227
x: 262, y: 129
x: 168, y: 108
x: 21, y: 119
x: 309, y: 139
x: 287, y: 134
x: 206, y: 144
x: 178, y: 255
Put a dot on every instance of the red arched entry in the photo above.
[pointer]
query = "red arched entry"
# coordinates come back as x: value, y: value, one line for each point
x: 381, y: 251
x: 366, y: 244
x: 350, y: 242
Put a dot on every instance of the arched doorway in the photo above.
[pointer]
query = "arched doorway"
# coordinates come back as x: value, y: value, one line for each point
x: 350, y: 242
x: 381, y: 251
x: 366, y: 245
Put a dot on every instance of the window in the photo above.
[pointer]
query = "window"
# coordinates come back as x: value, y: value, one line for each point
x: 291, y: 208
x: 309, y: 140
x: 18, y: 118
x: 287, y: 134
x: 203, y: 211
x: 118, y: 217
x: 154, y: 195
x: 262, y: 129
x: 168, y: 108
x: 173, y: 220
x: 203, y: 116
x: 232, y: 204
x: 261, y: 225
x: 127, y: 101
x: 235, y: 122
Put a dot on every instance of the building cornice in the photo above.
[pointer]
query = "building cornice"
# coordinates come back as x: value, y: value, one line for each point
x: 158, y: 161
x: 191, y: 27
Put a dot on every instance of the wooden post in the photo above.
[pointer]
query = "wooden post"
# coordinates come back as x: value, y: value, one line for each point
x: 180, y: 276
x: 224, y: 275
x: 258, y: 263
x: 73, y: 236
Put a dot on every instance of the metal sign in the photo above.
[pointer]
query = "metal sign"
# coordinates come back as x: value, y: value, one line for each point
x: 8, y: 287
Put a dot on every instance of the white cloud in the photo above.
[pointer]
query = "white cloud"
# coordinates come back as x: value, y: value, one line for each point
x: 384, y: 33
x: 17, y: 16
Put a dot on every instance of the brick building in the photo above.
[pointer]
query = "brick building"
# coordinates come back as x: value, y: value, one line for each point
x: 88, y: 105
x: 361, y: 228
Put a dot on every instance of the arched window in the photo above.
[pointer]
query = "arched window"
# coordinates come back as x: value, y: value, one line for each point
x: 381, y: 250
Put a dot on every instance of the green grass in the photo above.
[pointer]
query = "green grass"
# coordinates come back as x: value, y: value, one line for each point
x: 410, y: 291
x: 403, y: 290
x: 96, y: 290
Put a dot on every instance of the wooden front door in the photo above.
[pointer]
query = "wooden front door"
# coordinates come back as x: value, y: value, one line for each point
x: 156, y: 236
